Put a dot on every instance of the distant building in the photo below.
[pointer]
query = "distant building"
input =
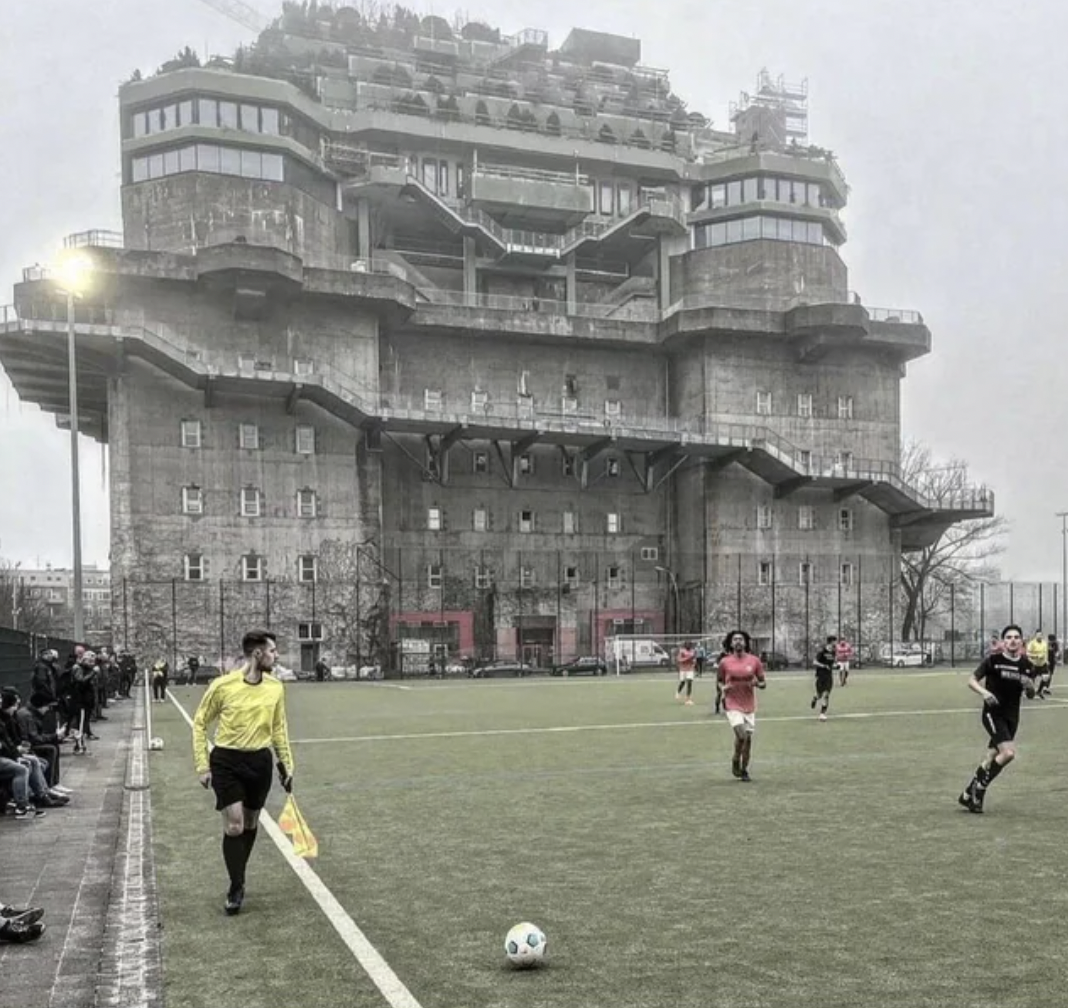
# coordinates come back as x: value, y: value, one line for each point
x: 423, y: 334
x: 53, y: 586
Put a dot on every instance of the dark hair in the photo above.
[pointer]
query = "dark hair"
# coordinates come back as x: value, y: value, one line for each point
x: 727, y: 640
x: 39, y: 700
x: 831, y: 639
x: 256, y: 639
x: 1012, y: 626
x: 8, y: 700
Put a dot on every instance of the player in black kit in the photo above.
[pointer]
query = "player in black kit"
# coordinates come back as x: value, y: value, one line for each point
x: 1000, y: 680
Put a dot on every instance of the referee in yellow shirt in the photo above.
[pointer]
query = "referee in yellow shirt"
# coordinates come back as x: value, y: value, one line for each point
x: 250, y: 706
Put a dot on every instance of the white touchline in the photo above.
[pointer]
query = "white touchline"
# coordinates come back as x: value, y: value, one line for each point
x: 630, y: 726
x: 380, y: 972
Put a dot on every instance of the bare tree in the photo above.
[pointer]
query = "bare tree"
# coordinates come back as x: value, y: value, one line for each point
x: 961, y: 557
x: 354, y: 593
x: 22, y: 608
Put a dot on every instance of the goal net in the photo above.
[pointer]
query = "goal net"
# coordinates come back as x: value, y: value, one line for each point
x: 657, y: 652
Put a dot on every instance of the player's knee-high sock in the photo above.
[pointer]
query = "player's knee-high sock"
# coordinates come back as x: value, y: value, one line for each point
x: 689, y: 688
x: 985, y: 776
x: 825, y: 702
x: 249, y: 837
x: 747, y: 748
x: 234, y: 856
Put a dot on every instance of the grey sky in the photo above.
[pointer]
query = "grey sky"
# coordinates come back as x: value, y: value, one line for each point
x: 949, y: 120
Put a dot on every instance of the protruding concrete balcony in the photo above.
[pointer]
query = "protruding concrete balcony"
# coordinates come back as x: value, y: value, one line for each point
x: 531, y: 195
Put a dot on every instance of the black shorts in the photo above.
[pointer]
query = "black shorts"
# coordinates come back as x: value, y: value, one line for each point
x: 824, y: 682
x: 241, y: 775
x: 1001, y: 727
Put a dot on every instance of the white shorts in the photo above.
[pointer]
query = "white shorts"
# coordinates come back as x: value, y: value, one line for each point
x: 843, y: 666
x: 685, y: 674
x: 736, y: 719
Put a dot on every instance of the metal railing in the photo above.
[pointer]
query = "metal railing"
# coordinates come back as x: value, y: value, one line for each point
x: 629, y: 311
x: 530, y: 174
x: 94, y: 239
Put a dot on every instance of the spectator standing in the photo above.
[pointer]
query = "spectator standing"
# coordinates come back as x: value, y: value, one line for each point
x: 1054, y: 658
x: 160, y: 675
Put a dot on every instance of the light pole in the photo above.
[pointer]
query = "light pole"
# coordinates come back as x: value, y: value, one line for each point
x: 675, y: 592
x: 15, y: 582
x: 1063, y: 515
x: 73, y: 273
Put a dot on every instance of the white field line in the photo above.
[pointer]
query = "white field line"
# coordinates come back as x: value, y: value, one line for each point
x: 369, y: 958
x: 631, y: 726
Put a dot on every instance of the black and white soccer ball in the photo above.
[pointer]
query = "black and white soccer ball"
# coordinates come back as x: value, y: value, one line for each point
x: 525, y: 945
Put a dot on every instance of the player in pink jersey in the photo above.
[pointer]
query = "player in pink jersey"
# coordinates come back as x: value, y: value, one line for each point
x: 740, y: 672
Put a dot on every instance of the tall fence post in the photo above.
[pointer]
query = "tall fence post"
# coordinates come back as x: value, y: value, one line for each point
x: 125, y: 615
x: 860, y: 613
x: 890, y: 594
x: 952, y: 625
x: 1039, y: 624
x: 982, y: 618
x: 774, y: 620
x: 1012, y: 603
x: 738, y: 599
x: 222, y: 625
x: 174, y: 625
x: 267, y: 585
x: 808, y: 624
x: 839, y: 597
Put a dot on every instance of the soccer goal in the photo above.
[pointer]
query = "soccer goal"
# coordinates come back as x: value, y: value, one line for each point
x: 651, y: 652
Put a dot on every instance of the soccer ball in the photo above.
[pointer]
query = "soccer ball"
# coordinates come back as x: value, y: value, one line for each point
x: 156, y: 744
x: 525, y: 945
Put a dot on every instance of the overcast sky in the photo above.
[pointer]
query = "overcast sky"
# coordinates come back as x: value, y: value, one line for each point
x: 948, y: 118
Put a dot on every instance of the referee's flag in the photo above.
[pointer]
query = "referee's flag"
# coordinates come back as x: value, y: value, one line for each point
x: 292, y: 822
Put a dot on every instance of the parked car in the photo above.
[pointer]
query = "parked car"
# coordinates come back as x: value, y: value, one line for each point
x: 910, y: 659
x: 283, y: 674
x: 586, y: 665
x: 775, y: 661
x: 503, y: 667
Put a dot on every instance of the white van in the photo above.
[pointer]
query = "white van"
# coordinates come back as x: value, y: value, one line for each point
x: 631, y: 652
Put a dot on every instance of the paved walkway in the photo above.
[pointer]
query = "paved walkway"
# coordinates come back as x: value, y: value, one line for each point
x: 90, y: 866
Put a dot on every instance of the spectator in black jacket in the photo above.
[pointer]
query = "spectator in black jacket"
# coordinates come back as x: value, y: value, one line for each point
x: 37, y: 728
x: 46, y: 677
x: 83, y: 697
x: 11, y: 749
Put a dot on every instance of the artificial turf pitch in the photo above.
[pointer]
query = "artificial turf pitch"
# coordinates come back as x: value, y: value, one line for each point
x: 844, y: 875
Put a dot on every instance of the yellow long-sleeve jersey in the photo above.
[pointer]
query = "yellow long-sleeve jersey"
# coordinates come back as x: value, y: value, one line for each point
x: 250, y: 716
x: 1038, y: 653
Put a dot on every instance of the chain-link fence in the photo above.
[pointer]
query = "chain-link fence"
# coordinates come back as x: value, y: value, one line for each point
x: 415, y: 610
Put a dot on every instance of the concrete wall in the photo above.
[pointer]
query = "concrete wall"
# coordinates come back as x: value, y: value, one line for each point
x: 159, y: 215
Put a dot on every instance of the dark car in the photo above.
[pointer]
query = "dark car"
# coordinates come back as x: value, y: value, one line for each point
x: 504, y: 667
x: 775, y: 661
x: 587, y: 665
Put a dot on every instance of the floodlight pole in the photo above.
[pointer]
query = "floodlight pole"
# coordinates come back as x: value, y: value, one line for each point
x: 75, y: 476
x: 675, y: 592
x: 1063, y: 515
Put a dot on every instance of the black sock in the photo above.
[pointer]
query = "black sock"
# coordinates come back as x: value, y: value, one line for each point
x: 991, y: 774
x: 249, y: 836
x: 234, y: 856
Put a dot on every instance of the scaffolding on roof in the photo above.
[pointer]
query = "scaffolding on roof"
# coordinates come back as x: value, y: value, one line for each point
x: 776, y: 93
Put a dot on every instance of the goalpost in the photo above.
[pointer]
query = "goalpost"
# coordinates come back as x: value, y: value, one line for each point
x: 656, y: 652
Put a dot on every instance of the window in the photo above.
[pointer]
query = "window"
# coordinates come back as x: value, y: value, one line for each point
x: 250, y: 118
x: 804, y: 456
x: 309, y: 631
x: 806, y: 517
x: 845, y: 520
x: 612, y: 523
x: 845, y: 461
x: 481, y: 462
x: 432, y: 399
x: 526, y: 465
x: 650, y: 553
x: 524, y: 382
x: 479, y: 401
x: 308, y: 568
x: 307, y: 504
x: 483, y: 579
x: 248, y: 436
x: 433, y: 519
x: 804, y: 404
x: 568, y: 405
x: 611, y: 468
x: 845, y: 407
x: 613, y: 408
x: 624, y: 200
x: 433, y: 576
x: 195, y: 567
x: 524, y: 404
x: 246, y: 362
x: 228, y: 115
x: 526, y: 577
x: 605, y: 199
x: 480, y: 519
x: 804, y: 573
x: 191, y: 434
x: 526, y: 521
x: 567, y: 466
x: 570, y: 386
x: 208, y: 111
x: 763, y: 403
x: 251, y: 502
x: 613, y: 577
x: 763, y: 516
x: 569, y: 523
x: 305, y: 440
x: 192, y: 500
x: 252, y: 567
x: 764, y: 573
x: 571, y: 576
x: 845, y: 575
x: 302, y: 366
x: 269, y: 121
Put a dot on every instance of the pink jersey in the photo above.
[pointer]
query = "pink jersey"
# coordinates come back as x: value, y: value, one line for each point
x: 843, y: 651
x: 741, y: 674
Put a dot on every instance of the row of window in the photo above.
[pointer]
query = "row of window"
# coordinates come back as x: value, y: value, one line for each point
x: 804, y: 401
x: 213, y: 158
x: 250, y: 502
x: 751, y: 228
x: 434, y: 401
x: 527, y: 523
x: 806, y: 518
x: 774, y: 190
x: 254, y: 568
x: 191, y: 435
x: 211, y: 112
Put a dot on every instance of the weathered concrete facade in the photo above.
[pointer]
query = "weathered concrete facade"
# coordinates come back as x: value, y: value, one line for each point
x: 410, y: 361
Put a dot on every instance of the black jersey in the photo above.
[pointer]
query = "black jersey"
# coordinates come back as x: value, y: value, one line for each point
x: 1006, y: 678
x: 825, y: 660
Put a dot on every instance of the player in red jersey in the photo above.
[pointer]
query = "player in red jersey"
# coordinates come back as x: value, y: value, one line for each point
x: 740, y: 672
